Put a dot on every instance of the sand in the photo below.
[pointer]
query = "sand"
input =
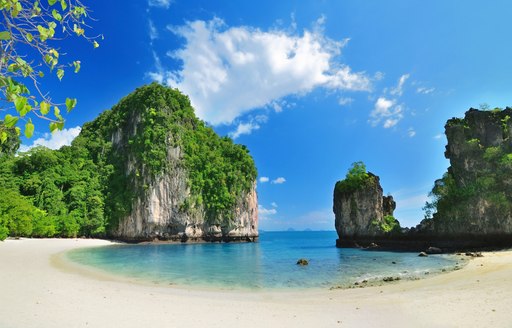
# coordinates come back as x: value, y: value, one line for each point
x: 38, y: 290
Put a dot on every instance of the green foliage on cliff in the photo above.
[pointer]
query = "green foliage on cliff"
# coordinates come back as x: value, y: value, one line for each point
x: 480, y: 172
x: 357, y: 177
x: 388, y: 225
x: 86, y: 188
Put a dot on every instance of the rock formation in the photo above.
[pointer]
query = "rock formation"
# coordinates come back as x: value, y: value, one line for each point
x: 475, y: 196
x: 472, y: 203
x: 171, y: 177
x: 361, y: 211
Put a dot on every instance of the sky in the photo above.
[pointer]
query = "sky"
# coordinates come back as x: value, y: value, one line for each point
x: 309, y: 86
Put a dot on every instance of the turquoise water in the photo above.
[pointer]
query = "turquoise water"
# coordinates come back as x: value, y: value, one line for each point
x: 270, y: 263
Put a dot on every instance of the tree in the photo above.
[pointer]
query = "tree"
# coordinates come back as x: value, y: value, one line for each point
x: 9, y: 140
x: 29, y: 35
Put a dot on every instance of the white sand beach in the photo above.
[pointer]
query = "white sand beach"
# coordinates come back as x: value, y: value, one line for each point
x: 37, y: 290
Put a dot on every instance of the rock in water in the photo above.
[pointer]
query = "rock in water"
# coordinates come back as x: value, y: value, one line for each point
x: 434, y: 250
x: 302, y: 262
x: 361, y: 211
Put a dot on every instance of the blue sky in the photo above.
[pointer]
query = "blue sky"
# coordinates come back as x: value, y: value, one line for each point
x: 309, y: 86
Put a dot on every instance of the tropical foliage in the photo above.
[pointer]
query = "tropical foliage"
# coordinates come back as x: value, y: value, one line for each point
x: 86, y: 188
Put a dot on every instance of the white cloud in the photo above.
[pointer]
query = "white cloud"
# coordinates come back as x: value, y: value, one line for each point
x: 55, y: 140
x: 345, y: 101
x: 265, y: 214
x: 248, y: 127
x: 264, y: 179
x: 386, y: 110
x: 266, y: 211
x: 279, y: 180
x: 274, y: 204
x: 153, y: 33
x: 411, y: 132
x: 438, y: 136
x: 244, y: 128
x: 424, y: 90
x: 398, y: 90
x: 229, y: 71
x: 160, y: 3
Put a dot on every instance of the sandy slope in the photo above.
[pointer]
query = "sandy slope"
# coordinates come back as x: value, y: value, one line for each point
x: 37, y: 291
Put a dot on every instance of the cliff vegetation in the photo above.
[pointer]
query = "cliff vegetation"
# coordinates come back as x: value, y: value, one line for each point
x: 475, y: 195
x: 87, y: 188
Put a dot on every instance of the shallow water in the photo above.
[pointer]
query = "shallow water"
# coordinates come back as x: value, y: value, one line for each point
x: 269, y: 263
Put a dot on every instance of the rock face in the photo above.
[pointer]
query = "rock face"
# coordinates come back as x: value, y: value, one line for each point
x: 170, y: 176
x: 472, y: 203
x: 362, y: 212
x: 475, y: 195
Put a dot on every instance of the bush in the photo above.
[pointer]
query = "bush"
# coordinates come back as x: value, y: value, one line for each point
x: 4, y: 232
x: 357, y: 177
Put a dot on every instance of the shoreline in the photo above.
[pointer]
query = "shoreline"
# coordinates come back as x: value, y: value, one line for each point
x: 36, y: 293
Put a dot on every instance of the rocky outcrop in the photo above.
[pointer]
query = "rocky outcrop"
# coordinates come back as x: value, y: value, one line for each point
x: 361, y: 211
x: 170, y: 176
x: 475, y: 195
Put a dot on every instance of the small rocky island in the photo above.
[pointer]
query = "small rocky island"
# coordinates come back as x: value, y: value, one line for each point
x: 471, y: 204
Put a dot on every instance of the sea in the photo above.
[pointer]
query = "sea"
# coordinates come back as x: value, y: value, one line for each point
x: 270, y: 263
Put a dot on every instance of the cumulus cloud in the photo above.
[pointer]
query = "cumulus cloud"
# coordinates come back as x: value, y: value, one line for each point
x: 248, y: 127
x: 54, y: 140
x: 264, y: 179
x: 279, y: 180
x: 274, y: 204
x: 398, y: 90
x: 244, y: 128
x: 229, y: 71
x: 386, y: 111
x: 160, y: 3
x: 266, y: 211
x: 265, y: 214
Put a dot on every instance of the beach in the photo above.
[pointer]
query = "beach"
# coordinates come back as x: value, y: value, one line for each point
x: 39, y: 289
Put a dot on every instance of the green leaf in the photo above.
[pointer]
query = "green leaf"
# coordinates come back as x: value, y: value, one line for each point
x: 18, y: 131
x: 10, y: 120
x: 60, y: 125
x: 60, y: 73
x: 56, y: 112
x: 29, y: 129
x: 56, y: 15
x: 45, y: 107
x: 52, y: 2
x: 3, y: 137
x: 95, y: 44
x: 77, y: 65
x: 25, y: 110
x: 29, y: 37
x: 70, y: 103
x: 63, y: 4
x: 20, y: 103
x: 43, y: 33
x: 53, y: 127
x: 4, y: 35
x: 41, y: 74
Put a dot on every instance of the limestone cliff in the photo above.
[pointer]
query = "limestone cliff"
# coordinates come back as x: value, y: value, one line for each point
x: 169, y: 176
x: 361, y: 211
x: 475, y: 196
